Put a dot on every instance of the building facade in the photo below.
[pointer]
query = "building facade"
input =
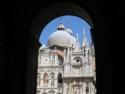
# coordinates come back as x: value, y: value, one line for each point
x: 65, y: 66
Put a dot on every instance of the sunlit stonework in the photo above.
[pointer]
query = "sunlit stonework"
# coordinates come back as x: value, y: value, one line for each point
x: 65, y: 67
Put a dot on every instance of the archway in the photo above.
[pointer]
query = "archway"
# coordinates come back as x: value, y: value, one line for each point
x: 63, y: 37
x: 36, y: 29
x: 56, y: 10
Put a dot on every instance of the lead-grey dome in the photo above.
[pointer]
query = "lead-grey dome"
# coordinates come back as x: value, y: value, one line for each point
x: 61, y: 38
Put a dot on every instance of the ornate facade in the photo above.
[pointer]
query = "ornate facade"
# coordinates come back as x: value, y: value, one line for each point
x: 65, y: 67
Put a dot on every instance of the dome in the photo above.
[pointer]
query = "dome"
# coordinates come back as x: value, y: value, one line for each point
x: 69, y: 31
x: 61, y: 38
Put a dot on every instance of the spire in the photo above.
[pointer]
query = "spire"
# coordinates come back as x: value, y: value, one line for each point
x: 84, y: 33
x: 77, y: 39
x: 85, y: 42
x: 68, y: 49
x: 77, y: 46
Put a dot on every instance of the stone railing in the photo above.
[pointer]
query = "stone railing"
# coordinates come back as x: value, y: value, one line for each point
x: 77, y: 75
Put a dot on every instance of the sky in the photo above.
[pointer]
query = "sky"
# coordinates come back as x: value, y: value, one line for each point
x: 75, y: 23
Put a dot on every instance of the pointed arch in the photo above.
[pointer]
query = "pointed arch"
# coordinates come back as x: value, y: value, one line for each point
x: 46, y: 78
x: 60, y: 81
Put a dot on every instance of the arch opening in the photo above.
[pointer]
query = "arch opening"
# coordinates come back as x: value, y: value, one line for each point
x: 68, y: 54
x: 36, y: 34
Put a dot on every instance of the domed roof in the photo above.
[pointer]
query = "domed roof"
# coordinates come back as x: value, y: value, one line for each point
x: 61, y: 38
x: 69, y: 31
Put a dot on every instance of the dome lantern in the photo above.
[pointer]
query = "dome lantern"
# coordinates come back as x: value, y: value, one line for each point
x: 61, y: 37
x: 61, y: 26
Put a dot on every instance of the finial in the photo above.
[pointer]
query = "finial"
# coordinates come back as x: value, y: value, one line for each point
x: 61, y: 26
x: 84, y: 31
x: 77, y: 37
x: 85, y: 42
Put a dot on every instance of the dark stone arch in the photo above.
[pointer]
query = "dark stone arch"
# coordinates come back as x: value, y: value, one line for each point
x: 41, y: 20
x: 108, y: 18
x: 28, y: 40
x: 56, y: 10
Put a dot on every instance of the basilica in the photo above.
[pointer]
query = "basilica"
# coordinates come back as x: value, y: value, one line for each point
x: 65, y: 66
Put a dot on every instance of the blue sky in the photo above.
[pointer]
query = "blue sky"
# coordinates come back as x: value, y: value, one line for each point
x: 76, y: 24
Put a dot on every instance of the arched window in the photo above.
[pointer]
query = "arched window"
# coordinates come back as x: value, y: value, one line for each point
x: 60, y: 81
x: 46, y: 78
x: 60, y: 78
